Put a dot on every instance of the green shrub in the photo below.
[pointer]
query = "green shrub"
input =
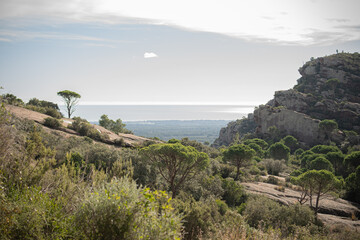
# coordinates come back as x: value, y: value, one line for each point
x: 52, y: 123
x: 234, y: 194
x: 321, y: 163
x: 263, y: 212
x: 200, y: 217
x: 12, y: 99
x: 121, y: 210
x: 84, y: 128
x: 279, y: 151
x: 41, y: 103
x: 352, y: 186
x: 257, y: 141
x: 274, y: 167
x: 37, y: 216
x: 324, y: 149
x: 45, y: 110
x: 120, y: 142
x: 272, y: 180
x: 298, y: 152
x: 290, y: 142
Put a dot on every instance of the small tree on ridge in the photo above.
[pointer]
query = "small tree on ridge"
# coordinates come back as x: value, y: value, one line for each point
x: 71, y: 99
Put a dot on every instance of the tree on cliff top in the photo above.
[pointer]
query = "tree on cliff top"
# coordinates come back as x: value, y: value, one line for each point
x: 71, y: 99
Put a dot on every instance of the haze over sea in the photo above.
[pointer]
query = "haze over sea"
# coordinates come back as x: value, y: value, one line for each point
x: 162, y: 112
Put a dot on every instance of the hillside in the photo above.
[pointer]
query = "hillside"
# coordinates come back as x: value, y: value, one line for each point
x: 329, y: 88
x: 130, y: 140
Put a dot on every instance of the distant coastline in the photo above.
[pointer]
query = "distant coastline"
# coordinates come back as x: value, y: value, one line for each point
x: 162, y: 112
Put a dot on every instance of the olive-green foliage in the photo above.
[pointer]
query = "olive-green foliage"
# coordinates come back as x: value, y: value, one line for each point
x: 115, y: 126
x: 200, y: 217
x: 45, y: 107
x: 175, y: 162
x: 203, y: 186
x: 52, y: 123
x: 352, y: 160
x: 352, y: 185
x: 264, y: 145
x: 328, y: 125
x: 259, y: 151
x: 234, y: 193
x: 324, y: 149
x: 45, y: 110
x: 298, y: 172
x: 36, y: 216
x: 77, y: 159
x: 42, y: 103
x: 274, y: 167
x: 307, y: 157
x: 290, y: 142
x: 321, y: 163
x: 263, y: 212
x: 39, y: 159
x: 101, y: 156
x: 337, y: 159
x: 121, y: 210
x: 212, y: 152
x: 298, y: 152
x: 12, y: 99
x: 173, y: 140
x: 70, y: 99
x: 238, y: 155
x: 279, y: 151
x: 84, y: 128
x: 317, y: 183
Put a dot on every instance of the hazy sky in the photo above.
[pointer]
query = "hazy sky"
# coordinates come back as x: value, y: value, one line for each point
x: 162, y: 51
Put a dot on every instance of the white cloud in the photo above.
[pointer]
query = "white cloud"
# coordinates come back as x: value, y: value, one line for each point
x: 10, y: 35
x: 279, y: 21
x: 150, y: 55
x: 5, y: 40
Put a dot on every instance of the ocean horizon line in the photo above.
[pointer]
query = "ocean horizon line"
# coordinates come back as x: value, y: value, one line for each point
x: 244, y: 104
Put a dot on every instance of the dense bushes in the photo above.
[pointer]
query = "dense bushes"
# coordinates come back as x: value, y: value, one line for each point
x: 52, y: 123
x: 121, y: 210
x: 263, y: 212
x: 279, y: 151
x: 115, y: 126
x: 84, y: 128
x: 274, y: 167
x: 45, y: 107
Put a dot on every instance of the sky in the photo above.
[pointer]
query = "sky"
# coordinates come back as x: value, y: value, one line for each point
x: 167, y: 52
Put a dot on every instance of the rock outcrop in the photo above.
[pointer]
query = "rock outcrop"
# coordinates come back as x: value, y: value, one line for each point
x: 305, y: 128
x: 329, y: 88
x: 239, y: 127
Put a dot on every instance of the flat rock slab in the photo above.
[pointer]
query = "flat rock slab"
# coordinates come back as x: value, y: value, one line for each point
x: 331, y: 210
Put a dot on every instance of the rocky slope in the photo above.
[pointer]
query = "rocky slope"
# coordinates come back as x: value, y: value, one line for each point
x: 331, y: 210
x: 130, y: 140
x: 329, y: 88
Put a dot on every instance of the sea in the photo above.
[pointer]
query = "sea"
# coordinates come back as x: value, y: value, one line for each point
x: 92, y: 113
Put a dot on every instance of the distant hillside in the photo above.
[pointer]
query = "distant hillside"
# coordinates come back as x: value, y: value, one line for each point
x: 328, y: 89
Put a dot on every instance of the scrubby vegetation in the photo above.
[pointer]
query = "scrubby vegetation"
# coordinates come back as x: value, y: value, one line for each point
x: 52, y: 187
x: 73, y: 188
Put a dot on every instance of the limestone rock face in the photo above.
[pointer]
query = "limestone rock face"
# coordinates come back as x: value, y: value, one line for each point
x: 329, y: 88
x: 241, y: 127
x: 305, y: 128
x: 293, y: 99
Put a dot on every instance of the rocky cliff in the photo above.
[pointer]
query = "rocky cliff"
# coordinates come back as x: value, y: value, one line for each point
x: 329, y: 88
